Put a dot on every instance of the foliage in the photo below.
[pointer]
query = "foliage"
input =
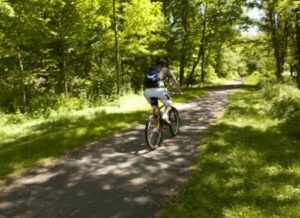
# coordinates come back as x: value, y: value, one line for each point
x: 257, y: 78
x: 280, y: 25
x: 285, y: 106
x: 64, y: 47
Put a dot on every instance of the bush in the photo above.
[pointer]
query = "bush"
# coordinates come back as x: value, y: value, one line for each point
x: 285, y: 100
x: 69, y: 103
x: 292, y: 125
x: 285, y: 106
x: 253, y: 78
x: 211, y: 74
x: 232, y: 75
x: 260, y: 78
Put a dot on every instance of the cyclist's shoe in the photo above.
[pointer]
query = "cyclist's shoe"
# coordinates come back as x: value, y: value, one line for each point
x: 165, y: 117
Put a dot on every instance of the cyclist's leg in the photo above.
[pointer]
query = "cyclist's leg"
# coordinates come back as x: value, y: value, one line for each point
x: 165, y: 98
x: 151, y: 96
x: 161, y: 94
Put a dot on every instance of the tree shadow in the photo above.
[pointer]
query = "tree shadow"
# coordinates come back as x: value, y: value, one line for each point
x: 53, y: 139
x: 230, y: 87
x: 115, y: 177
x: 244, y: 170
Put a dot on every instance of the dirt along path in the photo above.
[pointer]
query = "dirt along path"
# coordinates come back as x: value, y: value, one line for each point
x: 118, y: 177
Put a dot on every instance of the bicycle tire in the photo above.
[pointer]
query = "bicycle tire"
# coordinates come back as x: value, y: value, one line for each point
x: 153, y: 138
x: 175, y: 122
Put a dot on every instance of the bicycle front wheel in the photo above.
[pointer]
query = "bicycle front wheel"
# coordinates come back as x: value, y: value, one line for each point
x: 174, y: 119
x: 153, y: 133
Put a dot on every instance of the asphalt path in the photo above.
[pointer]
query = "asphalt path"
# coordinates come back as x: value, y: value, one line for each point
x: 118, y: 177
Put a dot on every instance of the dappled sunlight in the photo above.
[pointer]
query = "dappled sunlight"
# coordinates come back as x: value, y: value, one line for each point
x: 247, y: 168
x: 143, y: 200
x: 273, y: 170
x: 107, y: 187
x: 243, y: 211
x: 40, y: 178
x: 48, y: 142
x: 116, y: 174
x: 138, y: 181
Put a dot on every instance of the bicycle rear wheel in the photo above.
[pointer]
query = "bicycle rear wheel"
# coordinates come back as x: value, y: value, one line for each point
x: 153, y: 132
x: 174, y: 119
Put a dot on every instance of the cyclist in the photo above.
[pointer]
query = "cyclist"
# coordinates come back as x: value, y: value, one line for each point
x: 159, y: 91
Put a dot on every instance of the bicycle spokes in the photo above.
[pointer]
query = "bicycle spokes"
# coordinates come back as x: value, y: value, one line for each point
x: 174, y: 119
x: 153, y: 133
x: 155, y: 125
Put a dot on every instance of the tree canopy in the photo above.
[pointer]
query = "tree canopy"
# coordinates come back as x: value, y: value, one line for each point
x: 88, y: 50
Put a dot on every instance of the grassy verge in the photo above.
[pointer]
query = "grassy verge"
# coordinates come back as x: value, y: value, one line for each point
x: 38, y: 141
x: 249, y: 165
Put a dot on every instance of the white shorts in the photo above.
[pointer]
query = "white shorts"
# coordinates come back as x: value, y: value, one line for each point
x: 160, y: 93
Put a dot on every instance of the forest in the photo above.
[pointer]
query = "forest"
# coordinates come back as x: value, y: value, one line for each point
x: 73, y: 114
x: 83, y: 52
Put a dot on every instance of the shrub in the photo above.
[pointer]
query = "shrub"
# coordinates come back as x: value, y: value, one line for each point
x: 285, y: 100
x: 285, y: 106
x: 260, y: 78
x: 292, y: 125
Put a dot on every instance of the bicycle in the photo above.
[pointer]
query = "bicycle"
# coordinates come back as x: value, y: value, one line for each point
x: 155, y: 124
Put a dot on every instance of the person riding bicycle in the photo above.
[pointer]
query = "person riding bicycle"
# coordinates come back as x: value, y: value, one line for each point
x: 155, y: 87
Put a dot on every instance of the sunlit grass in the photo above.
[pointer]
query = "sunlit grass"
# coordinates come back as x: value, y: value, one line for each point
x: 41, y: 140
x: 248, y: 167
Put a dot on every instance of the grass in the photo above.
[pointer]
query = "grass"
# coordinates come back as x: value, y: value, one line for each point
x: 39, y: 141
x: 249, y: 166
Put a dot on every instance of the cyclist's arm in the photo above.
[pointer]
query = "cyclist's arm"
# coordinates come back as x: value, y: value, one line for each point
x: 175, y: 84
x: 171, y: 77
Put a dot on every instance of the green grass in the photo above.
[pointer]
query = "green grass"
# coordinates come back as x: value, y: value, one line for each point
x: 249, y: 166
x: 39, y: 141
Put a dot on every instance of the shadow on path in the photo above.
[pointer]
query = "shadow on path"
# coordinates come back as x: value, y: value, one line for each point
x: 116, y: 177
x: 230, y: 87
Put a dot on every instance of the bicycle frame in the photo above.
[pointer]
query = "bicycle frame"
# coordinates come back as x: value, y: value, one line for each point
x: 154, y: 125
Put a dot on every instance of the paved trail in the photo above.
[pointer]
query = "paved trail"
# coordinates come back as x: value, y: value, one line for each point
x: 118, y: 177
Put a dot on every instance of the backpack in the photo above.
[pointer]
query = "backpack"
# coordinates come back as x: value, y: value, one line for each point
x: 152, y: 77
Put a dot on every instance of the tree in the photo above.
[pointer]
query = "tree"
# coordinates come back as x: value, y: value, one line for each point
x: 296, y: 12
x: 217, y: 22
x: 117, y: 50
x: 277, y: 25
x: 23, y: 35
x: 142, y: 24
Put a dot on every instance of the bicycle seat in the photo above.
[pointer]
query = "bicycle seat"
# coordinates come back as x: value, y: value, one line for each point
x: 154, y: 101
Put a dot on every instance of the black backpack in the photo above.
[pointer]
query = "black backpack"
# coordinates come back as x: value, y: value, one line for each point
x: 152, y: 77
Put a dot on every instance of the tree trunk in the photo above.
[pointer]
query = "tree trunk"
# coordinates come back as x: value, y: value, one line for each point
x: 279, y: 32
x: 298, y: 46
x: 185, y: 25
x: 63, y: 60
x: 117, y: 50
x: 201, y: 47
x: 191, y: 75
x: 23, y: 85
x: 204, y: 60
x: 64, y: 69
x: 182, y: 66
x: 273, y: 23
x: 218, y: 61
